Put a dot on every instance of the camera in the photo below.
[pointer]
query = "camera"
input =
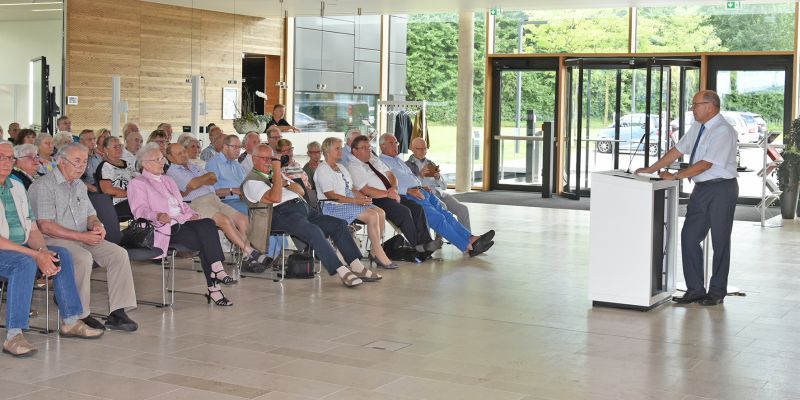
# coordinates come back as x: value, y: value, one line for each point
x: 57, y: 262
x: 284, y: 160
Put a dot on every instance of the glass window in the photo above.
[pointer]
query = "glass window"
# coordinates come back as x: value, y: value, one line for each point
x: 333, y: 112
x: 753, y: 27
x: 423, y: 65
x: 562, y: 31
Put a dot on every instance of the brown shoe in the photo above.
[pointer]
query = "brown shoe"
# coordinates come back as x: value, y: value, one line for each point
x: 80, y: 330
x: 18, y: 346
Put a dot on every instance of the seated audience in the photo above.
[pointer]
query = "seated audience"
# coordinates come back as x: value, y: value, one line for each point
x: 314, y: 152
x: 44, y: 143
x: 133, y: 142
x: 347, y: 150
x: 66, y: 217
x: 113, y: 176
x: 27, y: 163
x: 159, y: 137
x: 333, y: 182
x: 60, y: 140
x: 156, y: 197
x: 196, y: 186
x: 251, y: 140
x: 229, y: 172
x: 374, y: 179
x: 192, y: 146
x: 13, y: 130
x: 25, y: 136
x: 96, y: 155
x: 167, y: 128
x: 431, y: 178
x: 128, y: 129
x: 273, y: 135
x: 294, y: 171
x: 442, y: 221
x: 215, y: 137
x: 278, y: 120
x: 19, y: 262
x: 64, y: 124
x: 291, y: 214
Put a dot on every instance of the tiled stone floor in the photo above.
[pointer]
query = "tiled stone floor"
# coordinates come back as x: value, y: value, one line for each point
x: 513, y: 324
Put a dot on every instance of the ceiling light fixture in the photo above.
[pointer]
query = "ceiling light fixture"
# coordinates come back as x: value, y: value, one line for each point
x: 281, y: 83
x: 30, y: 4
x: 232, y: 81
x: 321, y: 85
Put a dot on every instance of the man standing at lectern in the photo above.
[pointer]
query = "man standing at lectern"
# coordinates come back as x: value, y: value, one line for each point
x: 711, y: 145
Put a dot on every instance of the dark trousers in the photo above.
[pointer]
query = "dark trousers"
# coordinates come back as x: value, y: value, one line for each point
x: 408, y: 216
x: 200, y: 235
x: 308, y: 225
x: 711, y: 206
x: 107, y: 214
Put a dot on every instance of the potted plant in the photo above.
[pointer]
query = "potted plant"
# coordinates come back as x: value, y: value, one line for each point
x: 789, y: 172
x: 248, y: 119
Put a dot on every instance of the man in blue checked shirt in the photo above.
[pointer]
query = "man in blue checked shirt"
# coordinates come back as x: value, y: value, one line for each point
x: 230, y: 174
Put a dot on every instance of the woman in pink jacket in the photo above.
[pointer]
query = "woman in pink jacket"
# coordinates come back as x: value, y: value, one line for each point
x: 155, y: 197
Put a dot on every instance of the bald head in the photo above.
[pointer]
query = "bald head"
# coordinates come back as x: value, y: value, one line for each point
x: 176, y: 154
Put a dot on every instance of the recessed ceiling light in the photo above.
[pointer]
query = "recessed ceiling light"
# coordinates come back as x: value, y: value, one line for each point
x: 29, y: 4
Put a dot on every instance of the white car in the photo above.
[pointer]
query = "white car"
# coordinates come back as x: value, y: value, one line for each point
x: 732, y: 117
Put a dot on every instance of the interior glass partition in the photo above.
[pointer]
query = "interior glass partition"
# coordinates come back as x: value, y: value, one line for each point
x: 622, y: 113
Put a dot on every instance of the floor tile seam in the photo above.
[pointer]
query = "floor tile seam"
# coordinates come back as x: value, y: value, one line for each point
x: 219, y: 364
x: 57, y: 389
x: 171, y: 391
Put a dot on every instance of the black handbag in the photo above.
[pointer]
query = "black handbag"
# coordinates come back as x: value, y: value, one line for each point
x: 140, y: 234
x: 299, y: 266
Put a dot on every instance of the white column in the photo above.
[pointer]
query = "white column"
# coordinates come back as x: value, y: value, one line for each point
x: 466, y: 44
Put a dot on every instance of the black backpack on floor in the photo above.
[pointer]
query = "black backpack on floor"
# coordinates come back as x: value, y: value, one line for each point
x: 299, y: 266
x: 397, y: 249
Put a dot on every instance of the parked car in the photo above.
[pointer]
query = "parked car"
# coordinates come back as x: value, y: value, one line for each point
x: 759, y: 121
x: 734, y: 118
x: 632, y: 128
x: 307, y: 124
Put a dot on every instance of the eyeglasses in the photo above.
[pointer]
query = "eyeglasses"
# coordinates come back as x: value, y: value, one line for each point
x: 363, y: 148
x: 7, y: 158
x: 262, y: 157
x: 234, y: 146
x: 77, y: 163
x: 698, y: 103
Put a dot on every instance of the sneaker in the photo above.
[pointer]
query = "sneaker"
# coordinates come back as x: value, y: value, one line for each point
x: 80, y: 330
x: 18, y: 346
x: 93, y: 323
x: 121, y: 322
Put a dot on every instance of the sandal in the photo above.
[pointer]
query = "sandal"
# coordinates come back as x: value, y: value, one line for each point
x: 224, y: 302
x: 368, y: 276
x: 351, y: 280
x: 227, y: 280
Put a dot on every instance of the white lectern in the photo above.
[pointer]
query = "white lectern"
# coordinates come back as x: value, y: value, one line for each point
x: 633, y: 235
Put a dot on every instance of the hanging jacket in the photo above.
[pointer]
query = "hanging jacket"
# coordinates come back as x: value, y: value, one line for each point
x: 417, y: 130
x: 402, y: 130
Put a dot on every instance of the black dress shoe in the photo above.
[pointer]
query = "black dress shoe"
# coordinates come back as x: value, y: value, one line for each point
x: 489, y: 235
x: 91, y: 322
x: 121, y: 322
x: 480, y: 248
x: 688, y: 298
x: 711, y: 300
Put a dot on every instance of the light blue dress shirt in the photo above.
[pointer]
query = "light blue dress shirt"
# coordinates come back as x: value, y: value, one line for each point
x: 183, y: 175
x: 405, y: 178
x: 230, y: 174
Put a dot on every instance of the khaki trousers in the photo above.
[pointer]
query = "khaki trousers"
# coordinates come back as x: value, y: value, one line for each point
x: 114, y: 259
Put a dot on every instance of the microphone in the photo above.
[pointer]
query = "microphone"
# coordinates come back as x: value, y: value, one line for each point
x: 634, y: 153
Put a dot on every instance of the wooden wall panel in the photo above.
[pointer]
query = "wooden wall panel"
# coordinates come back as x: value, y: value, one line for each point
x: 155, y: 48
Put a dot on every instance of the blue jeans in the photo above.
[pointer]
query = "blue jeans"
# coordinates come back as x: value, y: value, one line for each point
x: 20, y: 270
x: 237, y: 204
x: 442, y: 221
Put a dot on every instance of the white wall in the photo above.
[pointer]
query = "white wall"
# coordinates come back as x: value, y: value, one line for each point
x: 19, y: 43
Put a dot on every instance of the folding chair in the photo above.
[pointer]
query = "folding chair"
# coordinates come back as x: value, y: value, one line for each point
x: 46, y: 329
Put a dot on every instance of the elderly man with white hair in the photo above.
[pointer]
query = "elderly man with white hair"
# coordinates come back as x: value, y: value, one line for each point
x: 129, y: 128
x: 66, y: 217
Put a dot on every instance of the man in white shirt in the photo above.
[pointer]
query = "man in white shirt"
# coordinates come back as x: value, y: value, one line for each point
x: 711, y: 145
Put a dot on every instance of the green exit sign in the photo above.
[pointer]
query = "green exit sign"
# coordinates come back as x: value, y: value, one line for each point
x: 494, y: 11
x: 732, y: 5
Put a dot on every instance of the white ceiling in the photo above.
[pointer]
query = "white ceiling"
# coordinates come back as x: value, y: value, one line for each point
x: 271, y: 8
x: 24, y: 10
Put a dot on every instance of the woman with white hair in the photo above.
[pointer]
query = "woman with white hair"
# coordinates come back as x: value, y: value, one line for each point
x: 333, y: 182
x: 26, y: 165
x: 44, y: 142
x: 156, y: 197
